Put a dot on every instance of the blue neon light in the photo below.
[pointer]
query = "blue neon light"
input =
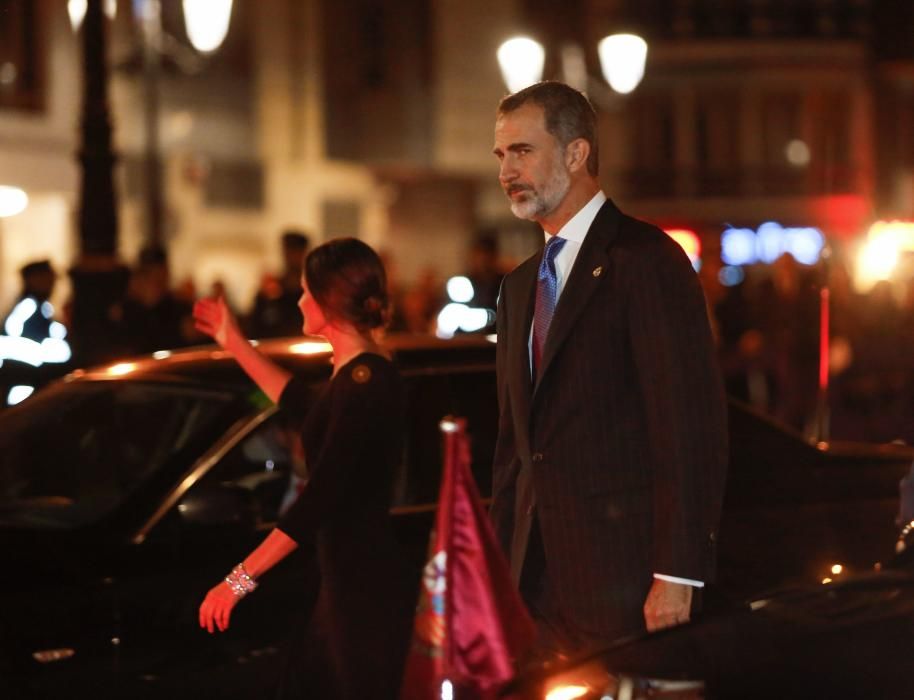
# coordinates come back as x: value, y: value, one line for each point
x: 743, y: 246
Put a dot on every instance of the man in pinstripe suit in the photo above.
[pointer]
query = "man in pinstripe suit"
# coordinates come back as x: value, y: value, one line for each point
x: 611, y: 456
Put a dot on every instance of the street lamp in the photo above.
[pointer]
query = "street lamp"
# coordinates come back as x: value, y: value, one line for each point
x: 13, y: 200
x: 206, y: 23
x: 622, y: 60
x: 521, y: 61
x: 99, y: 279
x: 77, y: 11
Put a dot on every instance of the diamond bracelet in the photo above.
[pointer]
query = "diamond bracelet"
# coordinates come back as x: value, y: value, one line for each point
x: 240, y: 581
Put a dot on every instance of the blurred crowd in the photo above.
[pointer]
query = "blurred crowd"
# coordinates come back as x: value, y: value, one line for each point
x: 156, y: 313
x: 767, y: 333
x: 766, y: 328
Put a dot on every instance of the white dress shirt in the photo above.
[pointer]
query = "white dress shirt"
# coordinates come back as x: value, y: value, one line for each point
x: 574, y: 231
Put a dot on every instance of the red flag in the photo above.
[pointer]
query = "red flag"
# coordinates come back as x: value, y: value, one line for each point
x: 470, y: 622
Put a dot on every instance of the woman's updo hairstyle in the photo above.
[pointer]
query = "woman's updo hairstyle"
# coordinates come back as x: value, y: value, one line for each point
x: 347, y: 280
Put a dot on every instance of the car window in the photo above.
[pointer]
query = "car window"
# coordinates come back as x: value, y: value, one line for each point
x: 75, y: 451
x: 269, y: 463
x: 466, y: 394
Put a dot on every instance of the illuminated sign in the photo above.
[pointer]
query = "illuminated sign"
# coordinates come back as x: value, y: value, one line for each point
x: 743, y: 246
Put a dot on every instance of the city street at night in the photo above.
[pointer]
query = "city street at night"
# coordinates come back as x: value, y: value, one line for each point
x: 519, y: 349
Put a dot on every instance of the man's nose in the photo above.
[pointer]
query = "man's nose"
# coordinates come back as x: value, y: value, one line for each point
x: 506, y: 171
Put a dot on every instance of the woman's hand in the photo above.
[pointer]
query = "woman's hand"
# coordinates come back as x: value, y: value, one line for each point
x: 212, y: 317
x: 216, y: 608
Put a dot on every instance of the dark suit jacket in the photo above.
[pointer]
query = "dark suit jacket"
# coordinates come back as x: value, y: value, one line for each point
x: 620, y: 449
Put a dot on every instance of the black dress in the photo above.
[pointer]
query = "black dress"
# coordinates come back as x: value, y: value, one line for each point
x: 353, y: 440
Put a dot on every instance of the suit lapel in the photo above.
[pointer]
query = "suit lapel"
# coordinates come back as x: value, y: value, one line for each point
x: 522, y: 318
x: 586, y: 275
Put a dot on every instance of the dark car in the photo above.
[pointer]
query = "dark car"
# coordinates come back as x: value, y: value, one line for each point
x: 127, y: 491
x: 794, y: 511
x: 813, y: 599
x: 841, y: 639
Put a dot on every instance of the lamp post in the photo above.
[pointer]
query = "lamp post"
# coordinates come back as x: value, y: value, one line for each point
x: 207, y: 23
x: 150, y: 21
x: 622, y: 60
x: 99, y: 279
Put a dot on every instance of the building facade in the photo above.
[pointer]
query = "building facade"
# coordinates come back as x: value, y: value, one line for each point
x: 374, y: 118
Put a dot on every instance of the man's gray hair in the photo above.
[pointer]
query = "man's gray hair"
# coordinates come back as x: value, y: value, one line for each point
x: 568, y: 115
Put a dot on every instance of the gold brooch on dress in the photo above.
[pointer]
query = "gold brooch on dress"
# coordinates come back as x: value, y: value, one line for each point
x: 361, y: 374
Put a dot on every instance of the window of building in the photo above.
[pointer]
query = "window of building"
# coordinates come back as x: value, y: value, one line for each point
x: 830, y: 147
x: 652, y: 139
x: 781, y: 128
x: 717, y: 141
x: 22, y: 60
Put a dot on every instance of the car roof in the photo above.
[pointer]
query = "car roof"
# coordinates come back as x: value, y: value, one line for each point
x: 413, y: 353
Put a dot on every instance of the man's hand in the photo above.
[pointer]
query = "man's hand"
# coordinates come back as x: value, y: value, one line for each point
x: 667, y: 604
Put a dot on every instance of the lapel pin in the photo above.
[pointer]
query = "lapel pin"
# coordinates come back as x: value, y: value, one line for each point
x: 598, y: 270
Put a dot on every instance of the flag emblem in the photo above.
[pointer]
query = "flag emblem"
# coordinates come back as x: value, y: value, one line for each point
x: 429, y: 630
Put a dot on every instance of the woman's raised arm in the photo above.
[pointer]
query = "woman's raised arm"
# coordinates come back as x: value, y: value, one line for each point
x: 212, y: 317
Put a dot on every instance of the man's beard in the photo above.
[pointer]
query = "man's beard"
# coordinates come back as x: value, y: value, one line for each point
x: 538, y: 204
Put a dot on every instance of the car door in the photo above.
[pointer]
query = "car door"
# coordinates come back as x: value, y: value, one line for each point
x: 78, y: 464
x: 238, y: 492
x: 466, y: 392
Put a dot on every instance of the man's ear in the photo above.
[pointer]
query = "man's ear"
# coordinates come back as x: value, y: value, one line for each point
x: 576, y: 154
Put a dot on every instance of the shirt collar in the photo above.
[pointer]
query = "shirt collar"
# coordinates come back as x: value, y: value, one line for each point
x: 575, y: 229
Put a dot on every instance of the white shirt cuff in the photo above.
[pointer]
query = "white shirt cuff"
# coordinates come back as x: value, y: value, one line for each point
x: 676, y: 579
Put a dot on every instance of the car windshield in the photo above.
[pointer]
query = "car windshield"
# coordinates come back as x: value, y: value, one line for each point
x: 76, y: 451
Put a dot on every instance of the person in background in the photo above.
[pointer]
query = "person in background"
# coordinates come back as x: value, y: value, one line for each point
x: 275, y: 311
x: 611, y: 456
x: 739, y: 345
x: 485, y: 274
x: 154, y: 317
x: 353, y: 440
x: 32, y: 315
x: 419, y: 303
x: 786, y: 316
x: 484, y: 271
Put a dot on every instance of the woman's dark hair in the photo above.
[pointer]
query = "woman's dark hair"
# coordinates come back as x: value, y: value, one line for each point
x: 347, y: 279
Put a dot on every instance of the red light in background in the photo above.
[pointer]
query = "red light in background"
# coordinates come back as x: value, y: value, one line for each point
x: 842, y: 216
x: 688, y: 240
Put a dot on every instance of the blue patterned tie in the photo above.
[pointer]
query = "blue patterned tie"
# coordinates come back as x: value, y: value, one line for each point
x: 546, y: 289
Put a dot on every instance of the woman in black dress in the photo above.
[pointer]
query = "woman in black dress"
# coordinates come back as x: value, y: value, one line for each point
x: 352, y: 437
